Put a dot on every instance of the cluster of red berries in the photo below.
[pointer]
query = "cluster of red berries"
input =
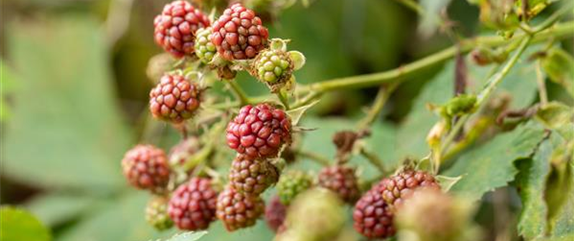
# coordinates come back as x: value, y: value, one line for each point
x: 375, y: 210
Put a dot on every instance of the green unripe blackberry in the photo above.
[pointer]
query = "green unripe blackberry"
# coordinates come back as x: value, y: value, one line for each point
x: 274, y: 68
x: 291, y: 184
x: 156, y: 213
x: 205, y: 50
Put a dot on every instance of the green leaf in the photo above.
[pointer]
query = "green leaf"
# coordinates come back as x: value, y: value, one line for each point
x: 558, y: 117
x: 188, y: 236
x: 559, y: 193
x: 446, y: 183
x: 559, y: 66
x: 491, y: 165
x: 66, y: 129
x: 297, y: 113
x: 54, y: 208
x: 431, y: 20
x: 120, y: 219
x: 20, y: 225
x: 531, y: 183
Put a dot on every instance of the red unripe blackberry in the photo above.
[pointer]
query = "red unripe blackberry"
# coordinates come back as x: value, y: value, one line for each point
x: 192, y: 204
x: 275, y: 213
x: 237, y: 210
x: 175, y: 27
x: 400, y: 186
x: 146, y: 167
x: 373, y: 217
x: 259, y: 131
x: 341, y: 180
x: 252, y: 176
x: 239, y: 34
x: 174, y: 98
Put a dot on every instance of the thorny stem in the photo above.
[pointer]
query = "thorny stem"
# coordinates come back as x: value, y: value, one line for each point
x: 380, y: 100
x: 239, y: 93
x: 314, y: 157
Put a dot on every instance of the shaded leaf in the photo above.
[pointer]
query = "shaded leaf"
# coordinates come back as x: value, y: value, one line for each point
x: 531, y: 183
x: 559, y: 66
x: 65, y: 129
x: 430, y: 21
x: 492, y: 165
x: 559, y: 117
x: 446, y: 182
x: 19, y: 225
x: 54, y: 209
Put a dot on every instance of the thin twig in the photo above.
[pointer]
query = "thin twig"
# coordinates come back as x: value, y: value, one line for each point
x: 238, y: 92
x: 541, y: 85
x: 314, y: 157
x: 380, y: 100
x: 374, y: 160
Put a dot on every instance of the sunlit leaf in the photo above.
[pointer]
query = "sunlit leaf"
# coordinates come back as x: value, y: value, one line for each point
x: 20, y: 225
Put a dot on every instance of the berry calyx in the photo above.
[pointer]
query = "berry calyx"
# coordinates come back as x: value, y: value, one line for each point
x: 372, y: 216
x: 175, y: 98
x: 274, y: 68
x: 259, y: 131
x: 252, y: 176
x: 237, y: 210
x: 291, y: 184
x: 192, y: 205
x: 275, y: 213
x: 176, y: 26
x: 156, y: 213
x: 239, y: 34
x: 341, y: 180
x: 146, y: 167
x: 401, y: 185
x: 205, y: 50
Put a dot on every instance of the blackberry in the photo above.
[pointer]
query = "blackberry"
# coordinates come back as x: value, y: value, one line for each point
x: 239, y: 34
x: 274, y: 68
x: 174, y: 98
x: 341, y: 180
x: 156, y: 213
x: 176, y: 26
x: 275, y: 213
x: 237, y: 210
x: 400, y: 186
x: 146, y: 167
x: 205, y: 50
x: 252, y: 176
x: 373, y: 217
x: 259, y: 131
x: 291, y: 184
x: 192, y: 204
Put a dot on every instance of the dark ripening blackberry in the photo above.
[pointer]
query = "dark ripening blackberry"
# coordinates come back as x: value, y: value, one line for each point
x: 291, y: 184
x: 239, y: 34
x: 373, y: 217
x: 175, y: 28
x: 400, y: 186
x: 275, y: 213
x: 259, y: 131
x: 237, y: 210
x: 156, y: 213
x: 146, y: 167
x: 341, y: 180
x: 175, y: 98
x: 192, y: 205
x: 252, y: 176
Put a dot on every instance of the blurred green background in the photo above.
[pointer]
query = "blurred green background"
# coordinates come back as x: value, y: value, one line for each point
x: 74, y: 97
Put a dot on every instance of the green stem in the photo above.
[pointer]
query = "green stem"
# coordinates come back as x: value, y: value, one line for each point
x: 314, y: 157
x: 487, y: 91
x: 239, y: 93
x: 374, y: 160
x: 380, y: 100
x: 282, y: 95
x: 413, y: 5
